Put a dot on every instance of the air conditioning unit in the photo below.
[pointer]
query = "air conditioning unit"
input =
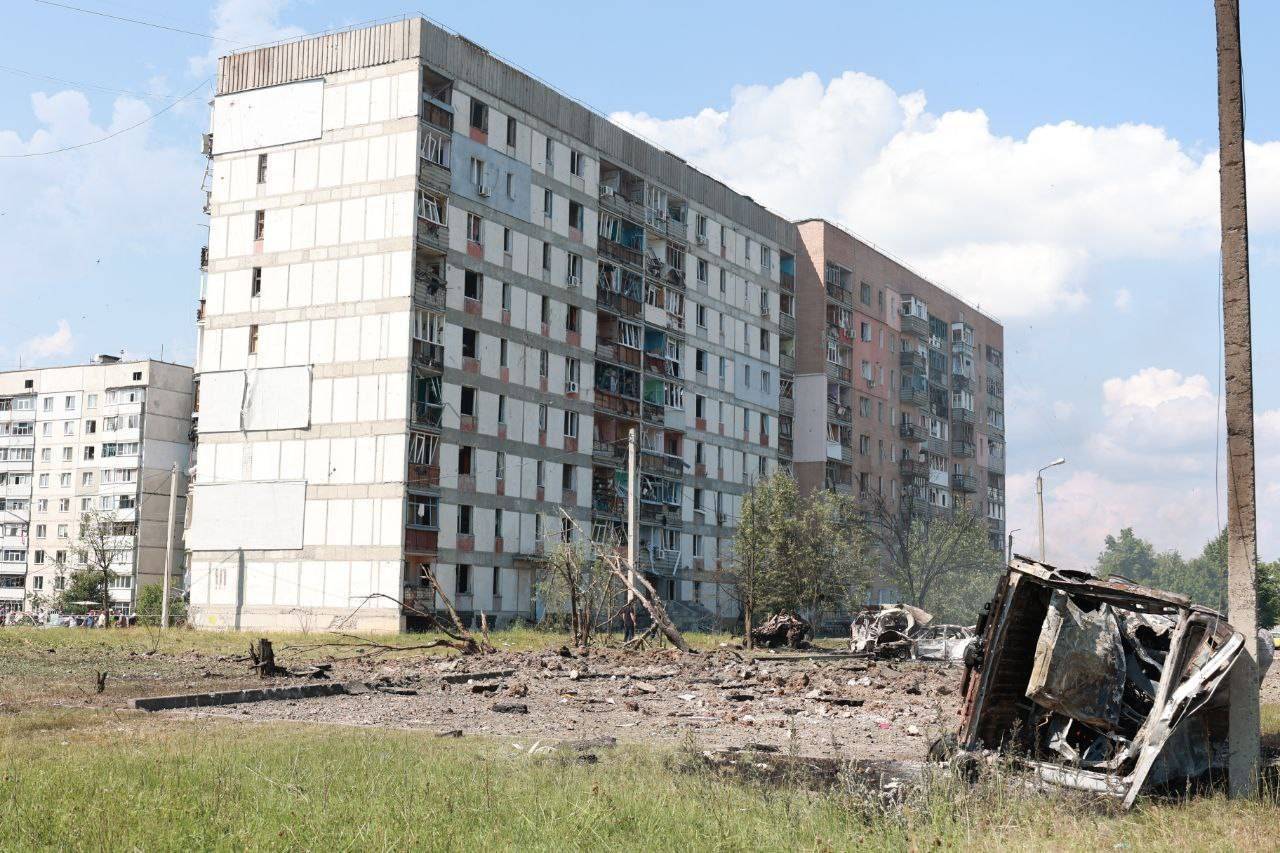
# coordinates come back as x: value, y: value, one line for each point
x: 570, y: 387
x: 574, y: 281
x: 764, y: 311
x: 206, y: 144
x: 606, y: 190
x: 702, y: 239
x: 483, y: 191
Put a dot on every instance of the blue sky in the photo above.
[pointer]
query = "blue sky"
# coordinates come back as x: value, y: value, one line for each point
x: 1055, y: 163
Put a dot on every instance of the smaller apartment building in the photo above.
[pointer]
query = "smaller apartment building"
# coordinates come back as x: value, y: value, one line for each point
x: 95, y: 438
x: 901, y: 384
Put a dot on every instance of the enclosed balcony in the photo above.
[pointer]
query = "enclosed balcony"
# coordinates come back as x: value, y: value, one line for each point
x: 913, y: 469
x: 621, y: 241
x: 433, y: 221
x: 913, y: 360
x: 912, y: 432
x: 963, y: 449
x: 964, y: 482
x: 621, y: 192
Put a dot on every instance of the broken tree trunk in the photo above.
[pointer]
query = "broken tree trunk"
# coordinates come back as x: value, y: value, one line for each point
x: 649, y: 599
x: 264, y: 658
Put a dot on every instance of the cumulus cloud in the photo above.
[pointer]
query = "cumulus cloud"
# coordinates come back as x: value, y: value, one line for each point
x: 1123, y: 299
x: 56, y: 344
x: 82, y: 206
x: 1149, y: 465
x: 1013, y: 222
x: 240, y: 23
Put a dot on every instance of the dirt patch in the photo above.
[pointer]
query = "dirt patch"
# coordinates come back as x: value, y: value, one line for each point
x: 807, y: 706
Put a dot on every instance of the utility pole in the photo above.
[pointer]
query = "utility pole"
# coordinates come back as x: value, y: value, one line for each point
x: 1040, y: 499
x: 1237, y: 344
x: 633, y: 512
x: 168, y: 546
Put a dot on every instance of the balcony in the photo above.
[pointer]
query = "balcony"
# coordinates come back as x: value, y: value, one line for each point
x: 612, y: 200
x: 914, y: 396
x: 787, y: 324
x: 961, y: 416
x: 839, y: 294
x: 938, y: 446
x: 434, y: 235
x: 995, y: 464
x: 913, y: 469
x: 624, y: 305
x: 913, y: 325
x: 916, y: 507
x: 787, y: 362
x: 913, y: 360
x: 788, y: 281
x: 963, y: 449
x: 840, y: 373
x: 610, y: 452
x: 661, y: 463
x: 618, y: 354
x: 660, y: 561
x: 786, y: 406
x: 429, y: 355
x: 912, y: 432
x: 616, y: 404
x: 626, y: 255
x: 964, y: 483
x: 839, y: 412
x: 427, y: 414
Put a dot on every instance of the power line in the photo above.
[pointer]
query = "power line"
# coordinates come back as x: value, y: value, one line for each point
x: 146, y: 120
x: 84, y: 85
x: 136, y: 21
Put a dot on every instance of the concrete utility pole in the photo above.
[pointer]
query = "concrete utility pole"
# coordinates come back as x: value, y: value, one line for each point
x: 168, y: 546
x: 633, y: 512
x: 1242, y: 542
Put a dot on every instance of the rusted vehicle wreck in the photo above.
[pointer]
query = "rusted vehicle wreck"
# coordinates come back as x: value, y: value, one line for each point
x: 1101, y: 685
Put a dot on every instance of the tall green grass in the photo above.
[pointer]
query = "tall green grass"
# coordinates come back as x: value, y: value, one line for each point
x: 81, y: 780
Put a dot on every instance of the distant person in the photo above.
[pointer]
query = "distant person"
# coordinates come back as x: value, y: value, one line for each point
x: 628, y: 622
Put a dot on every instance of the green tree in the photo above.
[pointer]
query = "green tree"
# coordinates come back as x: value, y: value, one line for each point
x: 148, y: 605
x: 793, y: 553
x: 83, y: 585
x: 1127, y: 556
x: 926, y: 557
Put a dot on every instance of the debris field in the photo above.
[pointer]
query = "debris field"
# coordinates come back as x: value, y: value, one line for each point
x: 818, y: 704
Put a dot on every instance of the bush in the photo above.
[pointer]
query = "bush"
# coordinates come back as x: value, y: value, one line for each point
x: 148, y: 605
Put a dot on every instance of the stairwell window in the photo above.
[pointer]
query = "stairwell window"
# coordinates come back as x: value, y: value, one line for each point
x: 253, y: 339
x: 576, y: 163
x: 259, y: 225
x: 475, y: 229
x: 262, y: 168
x: 255, y: 286
x: 511, y: 132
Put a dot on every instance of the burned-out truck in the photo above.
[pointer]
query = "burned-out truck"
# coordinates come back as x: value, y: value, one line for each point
x: 1098, y: 684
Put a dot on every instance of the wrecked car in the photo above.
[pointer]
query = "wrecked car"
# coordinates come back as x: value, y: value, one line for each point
x: 887, y: 631
x: 943, y: 642
x: 783, y: 629
x: 1095, y: 684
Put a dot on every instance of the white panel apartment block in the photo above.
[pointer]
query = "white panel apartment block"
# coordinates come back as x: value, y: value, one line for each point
x: 263, y: 117
x: 247, y: 516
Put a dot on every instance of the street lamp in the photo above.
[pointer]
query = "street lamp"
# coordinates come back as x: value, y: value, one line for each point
x: 1040, y: 498
x: 1009, y: 558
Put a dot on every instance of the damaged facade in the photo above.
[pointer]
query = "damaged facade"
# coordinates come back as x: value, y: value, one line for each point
x: 1099, y: 684
x: 437, y: 296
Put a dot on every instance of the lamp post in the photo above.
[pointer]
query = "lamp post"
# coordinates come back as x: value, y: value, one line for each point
x: 1040, y: 498
x: 1009, y: 558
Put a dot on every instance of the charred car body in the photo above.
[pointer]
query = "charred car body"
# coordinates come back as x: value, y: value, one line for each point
x: 1097, y: 684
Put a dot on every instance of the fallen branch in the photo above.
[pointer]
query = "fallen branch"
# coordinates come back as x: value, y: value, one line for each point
x: 651, y: 603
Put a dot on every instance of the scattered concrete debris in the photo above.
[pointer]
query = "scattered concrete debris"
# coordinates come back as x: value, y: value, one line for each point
x: 1101, y: 685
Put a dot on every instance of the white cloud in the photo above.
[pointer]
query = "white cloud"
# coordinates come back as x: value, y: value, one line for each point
x: 81, y: 207
x: 1013, y: 223
x: 240, y: 23
x: 1123, y: 299
x: 1063, y: 409
x: 1150, y: 465
x: 57, y: 343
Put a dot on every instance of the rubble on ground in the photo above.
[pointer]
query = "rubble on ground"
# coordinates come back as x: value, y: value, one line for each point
x: 821, y: 704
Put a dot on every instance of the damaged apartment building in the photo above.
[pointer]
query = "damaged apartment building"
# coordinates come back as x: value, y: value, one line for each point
x: 438, y: 295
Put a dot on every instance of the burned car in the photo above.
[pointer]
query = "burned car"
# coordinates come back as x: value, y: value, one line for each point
x: 943, y: 642
x: 1102, y: 685
x: 887, y: 631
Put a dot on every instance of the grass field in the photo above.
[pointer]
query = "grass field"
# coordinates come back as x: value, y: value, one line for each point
x: 93, y: 776
x: 81, y: 779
